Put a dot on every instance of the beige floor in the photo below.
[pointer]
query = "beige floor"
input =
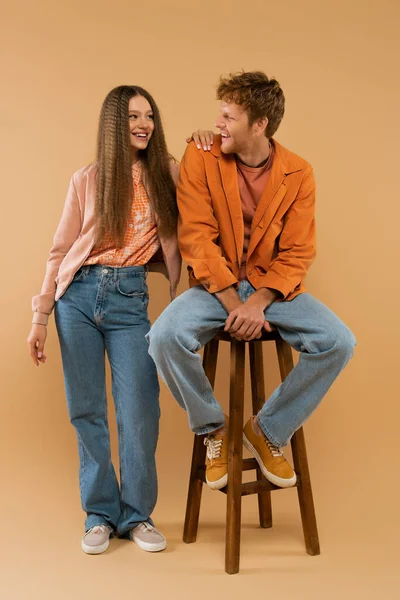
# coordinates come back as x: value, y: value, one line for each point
x: 42, y: 525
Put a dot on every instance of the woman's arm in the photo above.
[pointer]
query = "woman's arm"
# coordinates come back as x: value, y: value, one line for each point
x: 67, y: 233
x: 203, y: 138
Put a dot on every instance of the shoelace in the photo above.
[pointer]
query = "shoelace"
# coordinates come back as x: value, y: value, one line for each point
x: 273, y: 449
x: 214, y: 448
x: 99, y: 529
x: 145, y: 526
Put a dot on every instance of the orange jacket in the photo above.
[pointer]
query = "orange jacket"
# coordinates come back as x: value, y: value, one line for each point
x: 211, y: 230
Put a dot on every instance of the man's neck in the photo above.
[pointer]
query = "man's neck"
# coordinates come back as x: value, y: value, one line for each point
x: 256, y: 155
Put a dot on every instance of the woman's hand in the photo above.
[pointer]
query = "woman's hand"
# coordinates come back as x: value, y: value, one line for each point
x: 202, y: 138
x: 36, y: 340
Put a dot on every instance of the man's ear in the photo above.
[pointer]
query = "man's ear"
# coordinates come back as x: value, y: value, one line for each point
x: 261, y: 125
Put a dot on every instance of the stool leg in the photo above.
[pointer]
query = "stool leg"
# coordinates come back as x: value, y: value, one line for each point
x: 235, y: 442
x: 199, y: 455
x: 258, y: 397
x: 300, y: 462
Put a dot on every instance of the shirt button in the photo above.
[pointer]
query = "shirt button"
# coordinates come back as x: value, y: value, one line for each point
x: 130, y: 225
x: 105, y: 270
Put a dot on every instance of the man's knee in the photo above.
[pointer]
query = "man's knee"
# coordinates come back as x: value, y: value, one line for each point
x: 159, y: 337
x: 344, y: 343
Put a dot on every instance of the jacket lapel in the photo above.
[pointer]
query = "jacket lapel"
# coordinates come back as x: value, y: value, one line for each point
x: 270, y: 201
x: 271, y: 198
x: 227, y: 167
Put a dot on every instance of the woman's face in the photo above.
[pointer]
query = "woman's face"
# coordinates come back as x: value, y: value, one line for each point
x: 141, y: 124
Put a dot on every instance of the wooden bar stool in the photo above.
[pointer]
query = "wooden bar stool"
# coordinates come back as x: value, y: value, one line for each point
x: 235, y: 488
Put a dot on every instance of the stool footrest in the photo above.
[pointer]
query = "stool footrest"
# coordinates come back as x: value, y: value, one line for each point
x: 248, y: 464
x: 250, y: 487
x: 256, y: 487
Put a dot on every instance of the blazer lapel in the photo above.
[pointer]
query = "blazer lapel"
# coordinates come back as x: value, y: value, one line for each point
x: 271, y: 198
x: 270, y: 201
x: 227, y: 167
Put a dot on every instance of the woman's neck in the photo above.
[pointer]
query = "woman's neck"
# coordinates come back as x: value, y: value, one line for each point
x: 134, y: 155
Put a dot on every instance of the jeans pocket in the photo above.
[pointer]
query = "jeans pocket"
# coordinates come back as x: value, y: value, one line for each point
x: 80, y: 274
x: 133, y: 286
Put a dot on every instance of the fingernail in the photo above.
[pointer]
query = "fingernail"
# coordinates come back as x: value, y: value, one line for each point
x: 198, y: 146
x: 204, y: 147
x: 39, y: 355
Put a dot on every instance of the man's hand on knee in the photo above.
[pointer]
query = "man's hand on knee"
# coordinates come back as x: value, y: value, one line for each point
x: 247, y: 322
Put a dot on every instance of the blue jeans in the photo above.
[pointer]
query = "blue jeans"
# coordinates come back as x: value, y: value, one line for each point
x: 325, y: 345
x: 105, y: 310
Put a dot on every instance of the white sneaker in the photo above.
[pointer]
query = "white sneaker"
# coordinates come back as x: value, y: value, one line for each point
x: 97, y: 539
x: 148, y: 537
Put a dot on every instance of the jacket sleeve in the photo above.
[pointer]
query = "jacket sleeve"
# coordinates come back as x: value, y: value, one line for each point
x: 296, y: 246
x: 67, y: 233
x: 197, y: 226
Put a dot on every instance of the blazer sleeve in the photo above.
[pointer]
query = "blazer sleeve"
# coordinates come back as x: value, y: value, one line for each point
x: 297, y: 241
x: 67, y: 233
x: 197, y: 226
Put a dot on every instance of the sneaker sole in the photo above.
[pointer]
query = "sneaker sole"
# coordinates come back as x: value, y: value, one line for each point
x: 219, y: 484
x: 150, y: 547
x: 278, y: 481
x: 95, y: 549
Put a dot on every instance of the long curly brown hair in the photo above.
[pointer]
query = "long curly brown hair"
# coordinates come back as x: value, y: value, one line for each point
x: 114, y: 190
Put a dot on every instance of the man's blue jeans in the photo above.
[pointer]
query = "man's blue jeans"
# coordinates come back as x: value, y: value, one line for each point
x: 105, y: 310
x: 325, y: 345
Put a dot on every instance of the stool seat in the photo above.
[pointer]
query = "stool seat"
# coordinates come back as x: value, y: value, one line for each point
x: 235, y: 489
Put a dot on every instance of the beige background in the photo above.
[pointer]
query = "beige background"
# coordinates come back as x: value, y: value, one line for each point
x: 336, y: 62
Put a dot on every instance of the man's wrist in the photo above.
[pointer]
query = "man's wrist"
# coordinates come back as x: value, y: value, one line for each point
x: 264, y: 297
x: 229, y: 299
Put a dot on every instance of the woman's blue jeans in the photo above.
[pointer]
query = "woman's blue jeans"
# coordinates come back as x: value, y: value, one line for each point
x: 104, y: 310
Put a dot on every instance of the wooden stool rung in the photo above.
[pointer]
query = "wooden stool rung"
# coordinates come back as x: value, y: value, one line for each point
x: 249, y: 464
x: 255, y: 487
x: 250, y: 487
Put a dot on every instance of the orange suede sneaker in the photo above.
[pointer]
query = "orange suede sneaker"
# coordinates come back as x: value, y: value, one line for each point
x: 217, y: 460
x: 273, y: 464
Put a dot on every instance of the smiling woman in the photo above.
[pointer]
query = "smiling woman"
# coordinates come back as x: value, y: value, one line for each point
x: 131, y: 132
x: 119, y: 216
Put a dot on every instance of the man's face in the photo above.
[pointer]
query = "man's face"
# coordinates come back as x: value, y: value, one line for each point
x: 236, y: 134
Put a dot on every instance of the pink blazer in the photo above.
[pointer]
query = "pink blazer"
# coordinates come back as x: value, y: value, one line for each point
x: 74, y: 240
